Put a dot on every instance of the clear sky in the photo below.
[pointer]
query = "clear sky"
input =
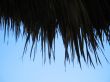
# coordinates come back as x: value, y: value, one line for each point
x: 14, y: 69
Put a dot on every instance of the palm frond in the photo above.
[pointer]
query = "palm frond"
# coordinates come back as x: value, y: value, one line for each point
x: 80, y: 23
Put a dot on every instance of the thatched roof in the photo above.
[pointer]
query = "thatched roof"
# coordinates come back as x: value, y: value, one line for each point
x: 80, y: 22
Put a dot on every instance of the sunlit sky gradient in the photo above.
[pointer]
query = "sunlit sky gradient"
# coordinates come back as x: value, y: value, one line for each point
x: 14, y: 69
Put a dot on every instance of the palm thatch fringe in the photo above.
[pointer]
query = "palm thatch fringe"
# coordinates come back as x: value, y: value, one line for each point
x: 79, y: 22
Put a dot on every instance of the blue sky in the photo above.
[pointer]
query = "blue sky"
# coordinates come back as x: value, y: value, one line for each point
x: 14, y: 69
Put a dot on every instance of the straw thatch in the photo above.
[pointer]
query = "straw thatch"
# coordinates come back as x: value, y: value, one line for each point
x: 80, y: 23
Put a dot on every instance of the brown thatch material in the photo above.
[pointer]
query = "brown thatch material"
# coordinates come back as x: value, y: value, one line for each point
x: 78, y: 21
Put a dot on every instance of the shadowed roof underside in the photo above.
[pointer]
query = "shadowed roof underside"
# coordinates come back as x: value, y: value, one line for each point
x: 80, y: 23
